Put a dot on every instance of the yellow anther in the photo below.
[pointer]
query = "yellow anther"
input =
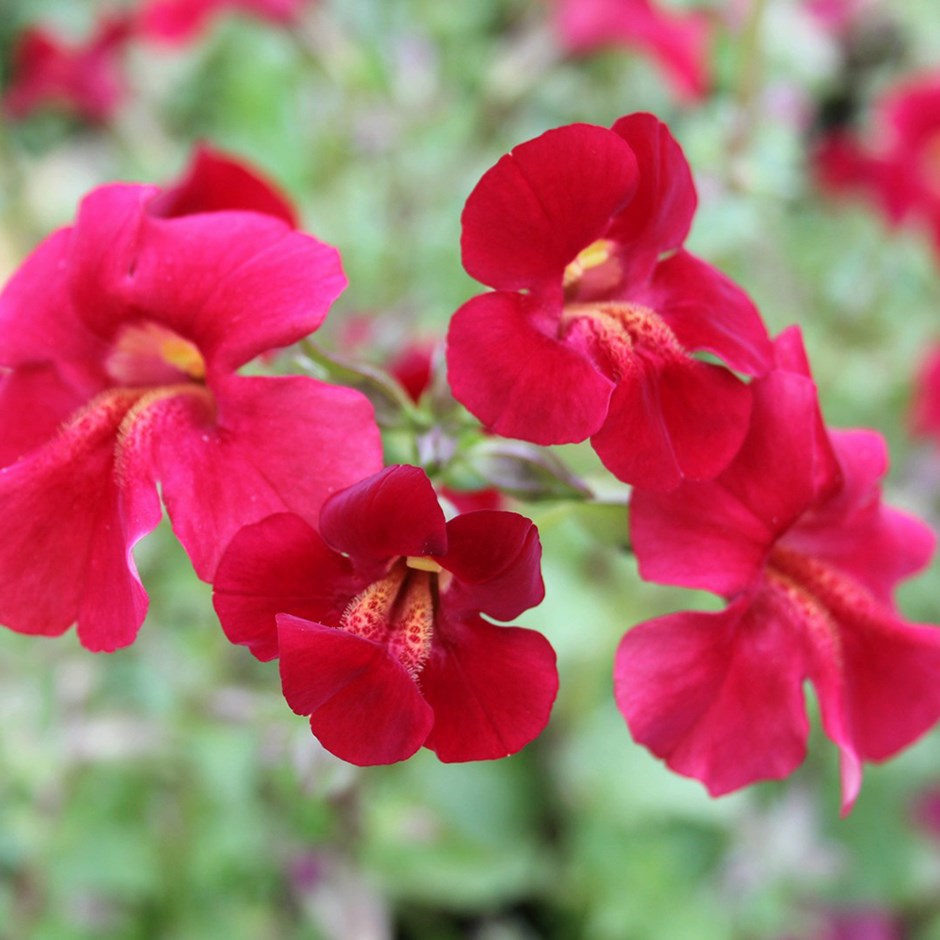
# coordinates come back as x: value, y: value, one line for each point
x: 596, y: 254
x: 423, y: 563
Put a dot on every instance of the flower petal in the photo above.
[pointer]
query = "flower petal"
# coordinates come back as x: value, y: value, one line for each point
x: 364, y: 706
x: 491, y: 688
x: 278, y: 565
x: 272, y: 445
x: 234, y: 283
x: 393, y: 512
x: 519, y: 381
x: 65, y: 554
x: 544, y: 202
x: 34, y: 402
x: 659, y: 216
x: 718, y: 696
x: 715, y: 535
x: 214, y: 182
x: 706, y: 310
x: 494, y: 557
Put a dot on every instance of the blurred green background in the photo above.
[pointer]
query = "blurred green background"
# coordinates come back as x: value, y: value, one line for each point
x: 167, y: 790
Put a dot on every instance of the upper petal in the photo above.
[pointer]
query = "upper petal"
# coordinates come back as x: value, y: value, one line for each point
x: 659, y: 216
x: 532, y: 212
x: 491, y: 689
x: 235, y: 283
x: 278, y: 565
x: 392, y: 512
x: 706, y: 310
x: 364, y: 706
x: 516, y: 379
x: 495, y: 559
x: 716, y: 535
x: 214, y: 182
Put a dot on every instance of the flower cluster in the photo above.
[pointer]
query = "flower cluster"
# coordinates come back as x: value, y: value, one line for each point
x: 121, y: 341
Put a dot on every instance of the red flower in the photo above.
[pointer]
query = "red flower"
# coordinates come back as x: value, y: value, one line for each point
x: 85, y: 78
x: 900, y: 170
x: 597, y: 305
x: 793, y: 533
x: 377, y: 622
x: 177, y: 21
x: 677, y: 41
x: 925, y: 409
x: 120, y: 339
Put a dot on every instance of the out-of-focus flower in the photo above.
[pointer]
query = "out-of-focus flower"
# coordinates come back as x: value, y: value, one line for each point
x: 677, y: 41
x: 597, y: 306
x: 120, y: 341
x: 176, y: 21
x: 836, y: 16
x: 794, y: 534
x: 377, y: 621
x: 84, y: 78
x: 925, y: 408
x: 898, y: 168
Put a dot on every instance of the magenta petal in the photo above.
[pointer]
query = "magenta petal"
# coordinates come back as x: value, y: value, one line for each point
x: 659, y: 216
x: 278, y: 565
x: 214, y: 182
x: 706, y: 310
x: 532, y: 213
x: 273, y: 445
x: 65, y: 555
x: 491, y: 688
x: 716, y: 535
x: 235, y: 283
x: 34, y: 402
x: 717, y: 696
x: 494, y: 558
x: 51, y: 332
x: 519, y: 381
x: 364, y: 706
x: 393, y: 512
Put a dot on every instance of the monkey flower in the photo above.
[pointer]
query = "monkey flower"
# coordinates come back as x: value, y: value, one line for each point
x: 377, y: 621
x: 794, y: 535
x: 120, y: 341
x: 597, y: 307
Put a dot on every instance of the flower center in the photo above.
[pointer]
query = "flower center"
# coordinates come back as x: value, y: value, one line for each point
x: 397, y: 611
x: 822, y: 592
x: 148, y: 354
x: 615, y: 333
x: 594, y: 270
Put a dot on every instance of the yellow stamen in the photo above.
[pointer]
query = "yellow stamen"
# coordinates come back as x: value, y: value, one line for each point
x: 423, y: 563
x: 596, y: 254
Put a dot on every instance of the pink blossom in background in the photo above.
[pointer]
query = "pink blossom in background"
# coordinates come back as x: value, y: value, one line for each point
x: 377, y: 621
x: 85, y: 78
x: 678, y: 42
x: 925, y: 407
x: 597, y: 307
x: 176, y: 21
x: 793, y: 534
x: 897, y: 165
x: 120, y: 341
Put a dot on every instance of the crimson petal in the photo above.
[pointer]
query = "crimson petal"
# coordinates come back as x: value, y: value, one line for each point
x: 491, y: 688
x: 278, y: 565
x: 364, y: 706
x: 544, y: 202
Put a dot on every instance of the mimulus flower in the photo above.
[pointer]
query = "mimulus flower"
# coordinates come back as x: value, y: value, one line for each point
x: 597, y: 306
x: 925, y: 410
x: 377, y: 621
x: 120, y: 341
x: 84, y: 78
x: 795, y: 536
x: 899, y: 169
x: 180, y: 20
x: 677, y: 41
